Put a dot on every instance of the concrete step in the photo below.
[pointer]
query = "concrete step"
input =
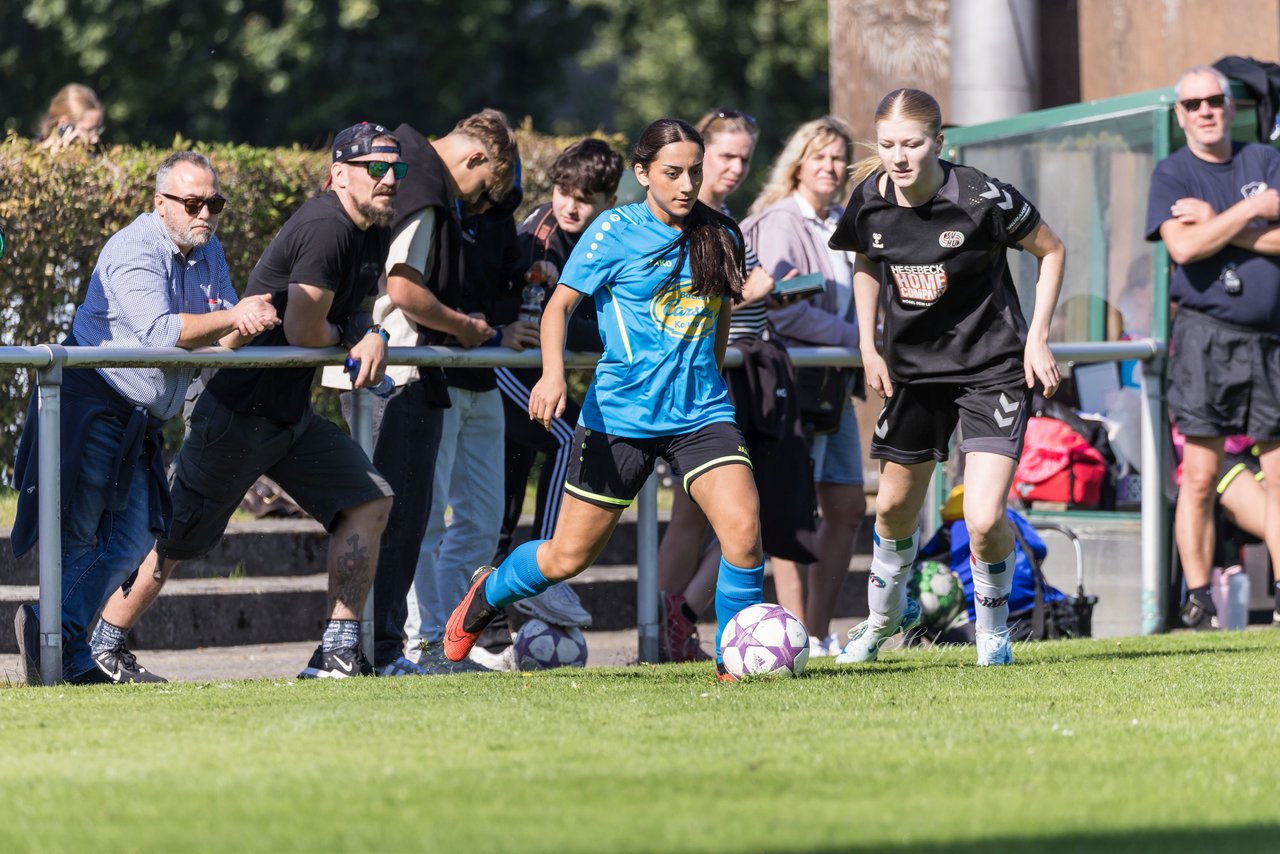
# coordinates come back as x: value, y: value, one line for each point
x: 195, y: 612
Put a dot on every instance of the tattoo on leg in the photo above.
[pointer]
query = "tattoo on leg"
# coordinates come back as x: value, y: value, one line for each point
x: 352, y: 571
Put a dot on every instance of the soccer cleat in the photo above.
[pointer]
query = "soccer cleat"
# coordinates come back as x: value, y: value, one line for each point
x: 678, y: 641
x: 865, y: 641
x: 26, y: 626
x: 558, y: 605
x: 723, y: 675
x: 469, y: 619
x: 401, y: 667
x: 1198, y: 614
x: 433, y: 662
x: 337, y: 664
x: 120, y: 665
x: 994, y: 648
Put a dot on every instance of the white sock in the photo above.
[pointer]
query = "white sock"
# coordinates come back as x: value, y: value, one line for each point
x: 891, y: 562
x: 992, y: 583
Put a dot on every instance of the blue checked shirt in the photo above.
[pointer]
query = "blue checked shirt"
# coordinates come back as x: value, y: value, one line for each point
x: 139, y: 287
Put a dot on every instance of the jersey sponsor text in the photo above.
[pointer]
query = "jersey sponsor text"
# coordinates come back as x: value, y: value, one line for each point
x: 919, y: 284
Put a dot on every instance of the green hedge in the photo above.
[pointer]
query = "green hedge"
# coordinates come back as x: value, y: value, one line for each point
x: 57, y: 212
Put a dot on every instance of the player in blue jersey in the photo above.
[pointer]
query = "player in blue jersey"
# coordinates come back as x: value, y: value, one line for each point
x: 931, y: 239
x: 661, y: 273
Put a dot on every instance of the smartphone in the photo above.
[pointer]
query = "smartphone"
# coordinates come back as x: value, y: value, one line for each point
x: 800, y: 286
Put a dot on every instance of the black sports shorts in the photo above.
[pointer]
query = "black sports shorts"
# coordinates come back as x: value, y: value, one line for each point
x: 916, y: 424
x: 1224, y: 379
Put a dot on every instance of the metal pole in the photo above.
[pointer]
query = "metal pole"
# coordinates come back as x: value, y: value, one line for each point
x: 647, y: 570
x: 362, y: 433
x: 1155, y: 544
x: 50, y: 497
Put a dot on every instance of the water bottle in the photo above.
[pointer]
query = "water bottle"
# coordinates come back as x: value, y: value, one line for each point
x: 384, y: 387
x: 531, y: 299
x: 1230, y: 594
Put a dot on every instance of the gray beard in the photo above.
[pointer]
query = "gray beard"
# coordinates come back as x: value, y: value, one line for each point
x: 189, y: 237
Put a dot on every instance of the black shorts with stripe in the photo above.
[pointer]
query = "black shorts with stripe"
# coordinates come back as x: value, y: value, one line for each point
x: 916, y: 424
x: 608, y: 471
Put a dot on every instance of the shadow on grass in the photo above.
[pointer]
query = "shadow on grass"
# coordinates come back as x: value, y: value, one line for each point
x: 1251, y: 837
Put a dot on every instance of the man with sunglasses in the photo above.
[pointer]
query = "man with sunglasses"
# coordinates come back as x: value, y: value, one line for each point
x: 1215, y: 204
x: 321, y: 273
x: 161, y: 281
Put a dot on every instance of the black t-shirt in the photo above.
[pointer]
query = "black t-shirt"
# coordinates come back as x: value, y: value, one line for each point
x: 320, y: 246
x: 542, y: 239
x: 1198, y: 285
x: 951, y: 313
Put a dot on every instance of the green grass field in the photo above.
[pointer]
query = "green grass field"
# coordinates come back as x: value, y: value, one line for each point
x: 1162, y: 743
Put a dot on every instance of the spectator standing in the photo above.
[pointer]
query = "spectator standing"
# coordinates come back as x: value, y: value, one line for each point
x: 320, y: 272
x: 161, y: 281
x: 74, y: 117
x: 1215, y: 204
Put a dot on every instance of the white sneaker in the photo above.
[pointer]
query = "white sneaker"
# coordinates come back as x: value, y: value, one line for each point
x: 402, y: 667
x: 822, y: 647
x: 865, y: 641
x: 432, y: 662
x: 557, y: 605
x: 504, y: 661
x: 994, y: 648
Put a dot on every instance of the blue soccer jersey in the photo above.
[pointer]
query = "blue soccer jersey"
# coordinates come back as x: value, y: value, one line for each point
x: 658, y: 374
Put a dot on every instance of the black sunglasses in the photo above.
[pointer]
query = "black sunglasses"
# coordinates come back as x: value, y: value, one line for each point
x: 193, y: 205
x: 378, y: 169
x: 1191, y: 105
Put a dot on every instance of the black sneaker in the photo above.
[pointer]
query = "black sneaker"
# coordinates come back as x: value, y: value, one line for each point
x: 26, y: 626
x: 337, y: 664
x: 92, y: 676
x: 120, y: 666
x: 1198, y: 614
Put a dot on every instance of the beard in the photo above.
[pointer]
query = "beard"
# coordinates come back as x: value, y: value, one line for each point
x: 189, y: 235
x: 377, y: 214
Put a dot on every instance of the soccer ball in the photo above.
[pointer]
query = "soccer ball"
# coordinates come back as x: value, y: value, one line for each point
x: 764, y: 640
x: 939, y: 592
x: 541, y: 646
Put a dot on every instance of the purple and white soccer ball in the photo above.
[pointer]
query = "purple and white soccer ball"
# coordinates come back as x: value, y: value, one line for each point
x: 764, y: 640
x: 541, y: 646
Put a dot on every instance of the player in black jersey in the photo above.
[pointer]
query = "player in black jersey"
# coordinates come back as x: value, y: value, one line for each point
x: 931, y: 238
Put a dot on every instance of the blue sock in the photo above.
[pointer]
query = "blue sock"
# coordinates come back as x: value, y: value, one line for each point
x: 736, y: 588
x: 518, y: 577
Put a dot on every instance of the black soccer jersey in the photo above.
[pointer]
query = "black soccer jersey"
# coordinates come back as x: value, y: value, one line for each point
x: 951, y: 313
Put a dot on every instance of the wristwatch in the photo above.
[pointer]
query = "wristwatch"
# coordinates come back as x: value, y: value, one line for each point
x: 378, y: 329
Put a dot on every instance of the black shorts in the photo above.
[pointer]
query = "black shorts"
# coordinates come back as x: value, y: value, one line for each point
x: 1235, y: 465
x: 608, y: 470
x: 916, y: 424
x: 1224, y: 379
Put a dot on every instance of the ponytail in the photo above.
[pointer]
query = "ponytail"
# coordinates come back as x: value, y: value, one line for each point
x: 712, y: 243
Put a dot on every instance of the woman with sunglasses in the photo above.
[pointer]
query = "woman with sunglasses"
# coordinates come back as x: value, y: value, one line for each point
x: 662, y: 273
x: 931, y: 239
x: 790, y: 223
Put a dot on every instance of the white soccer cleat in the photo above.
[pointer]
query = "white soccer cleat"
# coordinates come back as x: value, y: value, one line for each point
x: 994, y: 648
x: 865, y: 641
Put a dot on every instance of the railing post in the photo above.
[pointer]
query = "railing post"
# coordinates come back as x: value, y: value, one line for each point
x: 362, y: 433
x: 50, y: 499
x: 647, y: 570
x: 1155, y: 542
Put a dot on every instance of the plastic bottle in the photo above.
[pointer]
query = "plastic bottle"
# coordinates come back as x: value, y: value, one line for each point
x: 384, y: 387
x: 531, y: 301
x: 1231, y: 597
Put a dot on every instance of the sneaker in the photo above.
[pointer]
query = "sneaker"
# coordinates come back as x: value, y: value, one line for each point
x: 92, y: 676
x: 120, y: 666
x: 26, y: 626
x: 469, y: 619
x: 557, y: 605
x: 678, y: 639
x: 337, y: 664
x: 401, y: 667
x: 433, y: 661
x: 865, y: 641
x: 994, y: 648
x: 503, y: 662
x: 823, y: 647
x: 1199, y: 615
x: 723, y: 675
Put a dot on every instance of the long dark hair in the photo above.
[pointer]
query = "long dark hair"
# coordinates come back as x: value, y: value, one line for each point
x: 710, y: 240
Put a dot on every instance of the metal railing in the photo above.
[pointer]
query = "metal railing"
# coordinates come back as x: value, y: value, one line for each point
x: 49, y: 360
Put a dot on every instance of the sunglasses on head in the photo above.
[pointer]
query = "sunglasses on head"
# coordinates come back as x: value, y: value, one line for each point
x: 193, y: 205
x: 1191, y: 105
x: 378, y: 169
x: 729, y: 115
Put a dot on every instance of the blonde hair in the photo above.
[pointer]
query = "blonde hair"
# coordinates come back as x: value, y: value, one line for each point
x: 492, y: 130
x: 807, y: 138
x: 71, y: 102
x: 911, y: 105
x: 721, y: 120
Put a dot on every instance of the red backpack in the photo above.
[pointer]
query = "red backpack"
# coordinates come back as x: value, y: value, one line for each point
x: 1058, y: 465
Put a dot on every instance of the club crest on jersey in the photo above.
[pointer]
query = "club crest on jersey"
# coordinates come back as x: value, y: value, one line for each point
x: 683, y: 314
x: 877, y: 241
x: 919, y: 284
x: 950, y: 239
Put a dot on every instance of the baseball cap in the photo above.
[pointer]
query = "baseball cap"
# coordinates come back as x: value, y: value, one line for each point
x: 357, y: 141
